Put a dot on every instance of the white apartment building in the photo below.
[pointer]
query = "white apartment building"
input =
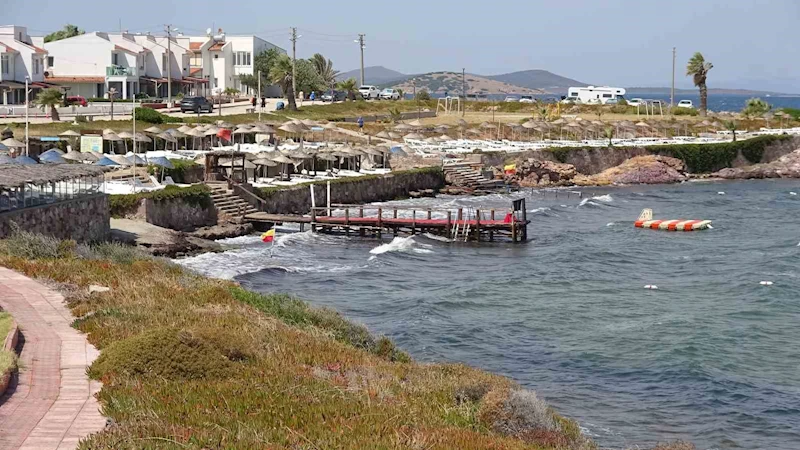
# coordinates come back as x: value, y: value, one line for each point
x: 19, y: 59
x: 221, y: 59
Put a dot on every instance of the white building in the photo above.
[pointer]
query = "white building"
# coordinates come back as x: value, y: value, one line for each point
x: 19, y: 59
x: 221, y: 59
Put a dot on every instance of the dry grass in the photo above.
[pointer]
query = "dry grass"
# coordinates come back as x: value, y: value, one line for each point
x: 189, y: 362
x: 8, y: 360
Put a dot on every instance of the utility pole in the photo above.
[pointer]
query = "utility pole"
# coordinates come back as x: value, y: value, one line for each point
x: 672, y: 91
x: 259, y: 96
x: 464, y: 90
x: 168, y: 29
x: 294, y: 61
x: 414, y: 83
x: 360, y: 42
x: 27, y: 134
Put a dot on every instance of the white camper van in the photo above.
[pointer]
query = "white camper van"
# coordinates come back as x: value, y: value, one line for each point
x: 597, y: 95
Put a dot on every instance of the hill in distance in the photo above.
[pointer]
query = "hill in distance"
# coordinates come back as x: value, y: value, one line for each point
x: 538, y: 79
x: 373, y: 74
x: 451, y: 82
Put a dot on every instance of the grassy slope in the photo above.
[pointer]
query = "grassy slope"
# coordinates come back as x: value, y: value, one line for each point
x: 7, y: 359
x: 190, y: 362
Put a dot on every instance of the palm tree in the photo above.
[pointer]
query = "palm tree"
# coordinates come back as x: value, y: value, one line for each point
x: 609, y: 132
x: 698, y: 69
x: 731, y: 126
x: 52, y: 98
x: 349, y: 85
x: 281, y: 74
x: 325, y: 69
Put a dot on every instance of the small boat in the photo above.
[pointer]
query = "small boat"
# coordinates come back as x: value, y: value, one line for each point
x: 646, y: 221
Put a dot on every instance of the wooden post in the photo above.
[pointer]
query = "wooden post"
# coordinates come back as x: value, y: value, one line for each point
x: 347, y: 221
x: 491, y: 230
x: 313, y: 220
x: 478, y: 224
x: 361, y: 215
x: 429, y: 214
x: 513, y: 228
x: 524, y: 221
x: 413, y: 221
x: 380, y: 222
x: 449, y: 231
x: 395, y: 213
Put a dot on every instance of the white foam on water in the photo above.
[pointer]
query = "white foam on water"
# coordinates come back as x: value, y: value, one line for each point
x: 402, y: 245
x: 720, y: 193
x: 434, y: 237
x: 610, y: 224
x: 792, y: 193
x: 536, y: 210
x: 600, y: 198
x: 240, y: 240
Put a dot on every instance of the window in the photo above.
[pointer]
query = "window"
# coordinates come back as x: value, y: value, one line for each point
x: 216, y: 83
x: 606, y: 95
x: 5, y: 64
x: 50, y: 60
x: 36, y: 65
x: 216, y: 56
x: 241, y: 59
x: 164, y: 61
x: 115, y: 59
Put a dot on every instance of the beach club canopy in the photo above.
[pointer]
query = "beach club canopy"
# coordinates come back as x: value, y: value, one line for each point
x: 25, y: 160
x: 70, y: 133
x: 282, y: 159
x: 13, y: 143
x: 136, y: 159
x: 105, y: 161
x: 125, y: 135
x: 265, y: 162
x: 153, y: 130
x: 74, y: 156
x: 383, y: 135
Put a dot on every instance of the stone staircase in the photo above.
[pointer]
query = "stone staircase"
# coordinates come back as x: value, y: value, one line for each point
x: 469, y: 176
x: 228, y: 203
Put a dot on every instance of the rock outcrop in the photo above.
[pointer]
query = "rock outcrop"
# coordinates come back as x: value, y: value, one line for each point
x: 533, y: 173
x: 787, y: 166
x: 651, y: 169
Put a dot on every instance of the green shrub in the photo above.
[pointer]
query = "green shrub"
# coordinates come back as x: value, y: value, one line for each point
x: 166, y: 353
x: 196, y: 195
x: 684, y: 112
x: 793, y: 112
x: 178, y: 172
x: 25, y: 244
x: 298, y: 313
x: 106, y: 100
x: 150, y: 115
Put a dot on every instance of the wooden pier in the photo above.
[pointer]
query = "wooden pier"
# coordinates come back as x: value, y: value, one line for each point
x: 462, y: 224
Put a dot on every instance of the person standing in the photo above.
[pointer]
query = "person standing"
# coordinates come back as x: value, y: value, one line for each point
x: 360, y: 124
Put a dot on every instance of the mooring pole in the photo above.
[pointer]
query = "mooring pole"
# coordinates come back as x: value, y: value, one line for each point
x: 380, y: 222
x: 449, y: 231
x: 478, y: 224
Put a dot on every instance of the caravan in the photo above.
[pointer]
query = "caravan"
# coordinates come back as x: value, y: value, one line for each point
x: 594, y: 95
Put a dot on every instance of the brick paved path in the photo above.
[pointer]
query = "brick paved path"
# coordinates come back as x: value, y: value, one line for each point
x: 51, y: 405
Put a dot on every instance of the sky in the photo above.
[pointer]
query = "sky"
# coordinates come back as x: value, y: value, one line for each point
x: 752, y: 43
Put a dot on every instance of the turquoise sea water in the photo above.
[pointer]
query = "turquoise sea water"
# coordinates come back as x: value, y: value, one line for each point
x: 712, y: 356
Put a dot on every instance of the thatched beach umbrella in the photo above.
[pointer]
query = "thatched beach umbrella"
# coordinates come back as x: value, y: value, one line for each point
x: 383, y: 135
x: 74, y: 155
x: 414, y: 136
x: 403, y: 127
x: 13, y: 143
x: 393, y: 135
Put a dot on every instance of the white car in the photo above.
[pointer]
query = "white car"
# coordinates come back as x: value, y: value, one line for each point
x: 685, y: 104
x: 390, y: 94
x: 370, y: 92
x: 635, y: 102
x: 526, y: 99
x: 512, y: 99
x: 570, y: 100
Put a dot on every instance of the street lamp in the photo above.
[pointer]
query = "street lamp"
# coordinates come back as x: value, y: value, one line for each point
x: 27, y: 134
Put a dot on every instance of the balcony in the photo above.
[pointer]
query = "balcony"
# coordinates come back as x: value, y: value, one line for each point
x: 119, y: 71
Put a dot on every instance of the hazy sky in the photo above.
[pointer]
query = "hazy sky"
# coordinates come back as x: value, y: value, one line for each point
x: 752, y: 44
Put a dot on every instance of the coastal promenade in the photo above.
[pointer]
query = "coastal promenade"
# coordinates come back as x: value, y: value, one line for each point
x: 51, y: 403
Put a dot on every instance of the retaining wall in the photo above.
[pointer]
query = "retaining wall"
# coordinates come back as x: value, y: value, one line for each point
x: 177, y: 214
x: 85, y: 219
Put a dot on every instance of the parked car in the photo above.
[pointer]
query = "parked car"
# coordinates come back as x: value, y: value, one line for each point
x: 196, y: 105
x: 390, y: 94
x: 76, y: 100
x: 526, y: 99
x: 334, y: 96
x: 369, y: 92
x: 612, y: 101
x: 635, y: 102
x: 511, y: 99
x: 570, y: 100
x: 685, y: 104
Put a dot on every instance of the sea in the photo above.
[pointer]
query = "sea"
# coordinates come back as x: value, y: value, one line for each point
x: 711, y: 355
x: 716, y: 102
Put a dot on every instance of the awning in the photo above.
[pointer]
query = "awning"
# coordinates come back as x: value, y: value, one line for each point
x: 195, y: 80
x: 43, y: 85
x: 12, y: 85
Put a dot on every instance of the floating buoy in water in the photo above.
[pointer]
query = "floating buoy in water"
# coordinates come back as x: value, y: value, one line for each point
x: 766, y: 283
x: 652, y: 287
x: 646, y: 221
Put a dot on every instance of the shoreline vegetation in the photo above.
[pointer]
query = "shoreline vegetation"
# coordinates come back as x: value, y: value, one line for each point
x: 192, y: 362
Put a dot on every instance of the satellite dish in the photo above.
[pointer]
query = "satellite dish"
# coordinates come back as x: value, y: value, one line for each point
x: 208, y: 31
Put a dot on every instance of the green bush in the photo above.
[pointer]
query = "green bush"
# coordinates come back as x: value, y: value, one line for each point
x: 793, y: 112
x: 684, y: 112
x: 150, y: 115
x: 124, y: 204
x: 178, y: 172
x: 105, y: 100
x: 423, y: 95
x: 165, y: 353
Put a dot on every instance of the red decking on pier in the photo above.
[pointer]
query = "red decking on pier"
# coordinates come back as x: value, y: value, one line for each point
x: 338, y: 220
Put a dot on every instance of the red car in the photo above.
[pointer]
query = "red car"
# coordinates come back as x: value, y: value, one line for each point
x: 77, y: 100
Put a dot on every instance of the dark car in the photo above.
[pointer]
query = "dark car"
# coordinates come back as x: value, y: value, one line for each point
x: 334, y: 96
x: 196, y: 105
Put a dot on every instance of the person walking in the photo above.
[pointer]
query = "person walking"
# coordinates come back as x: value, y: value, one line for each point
x: 253, y: 101
x: 360, y: 124
x: 263, y: 102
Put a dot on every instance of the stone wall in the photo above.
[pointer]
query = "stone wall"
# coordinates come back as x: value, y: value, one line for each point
x: 177, y: 214
x: 85, y: 219
x: 297, y: 200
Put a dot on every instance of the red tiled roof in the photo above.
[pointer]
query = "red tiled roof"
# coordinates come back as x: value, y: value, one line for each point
x: 195, y: 70
x: 195, y: 45
x: 6, y: 48
x: 76, y: 79
x: 216, y: 47
x: 39, y: 50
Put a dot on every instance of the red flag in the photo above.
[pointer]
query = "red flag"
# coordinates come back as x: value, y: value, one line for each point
x: 224, y: 134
